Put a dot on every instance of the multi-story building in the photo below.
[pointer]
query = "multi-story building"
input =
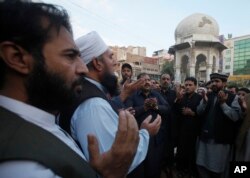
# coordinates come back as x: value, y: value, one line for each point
x: 161, y: 52
x: 136, y: 57
x: 236, y: 59
x: 163, y: 56
x: 150, y: 65
x: 140, y: 51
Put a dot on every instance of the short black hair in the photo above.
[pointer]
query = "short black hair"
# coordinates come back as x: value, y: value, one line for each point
x: 166, y: 74
x: 23, y: 23
x: 141, y: 75
x: 193, y: 79
x: 127, y: 65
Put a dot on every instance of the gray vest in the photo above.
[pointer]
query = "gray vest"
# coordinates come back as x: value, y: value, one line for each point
x: 22, y: 140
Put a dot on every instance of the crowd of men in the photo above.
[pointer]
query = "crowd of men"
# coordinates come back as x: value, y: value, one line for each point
x: 64, y: 113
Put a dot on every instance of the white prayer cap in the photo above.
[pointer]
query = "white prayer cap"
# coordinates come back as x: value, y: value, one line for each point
x: 91, y: 45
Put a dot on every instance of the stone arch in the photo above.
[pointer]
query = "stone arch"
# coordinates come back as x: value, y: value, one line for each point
x: 184, y: 67
x: 200, y: 67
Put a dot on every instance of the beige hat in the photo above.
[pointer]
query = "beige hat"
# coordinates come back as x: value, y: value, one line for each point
x: 91, y: 46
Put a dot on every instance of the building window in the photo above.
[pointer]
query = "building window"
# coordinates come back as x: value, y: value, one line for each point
x: 227, y: 66
x: 228, y: 52
x: 228, y: 59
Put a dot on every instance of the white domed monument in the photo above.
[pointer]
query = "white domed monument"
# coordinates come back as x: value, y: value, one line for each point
x: 197, y: 47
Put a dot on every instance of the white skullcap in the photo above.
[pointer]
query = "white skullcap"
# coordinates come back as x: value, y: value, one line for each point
x: 91, y: 45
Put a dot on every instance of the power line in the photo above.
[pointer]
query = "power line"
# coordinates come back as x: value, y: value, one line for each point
x: 107, y: 22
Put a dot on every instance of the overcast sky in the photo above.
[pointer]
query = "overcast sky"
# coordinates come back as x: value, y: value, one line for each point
x: 151, y: 23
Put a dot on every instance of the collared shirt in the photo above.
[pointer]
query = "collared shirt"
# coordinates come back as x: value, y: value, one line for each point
x: 26, y: 169
x: 96, y: 116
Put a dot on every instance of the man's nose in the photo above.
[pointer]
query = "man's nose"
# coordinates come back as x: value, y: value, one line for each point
x: 81, y: 68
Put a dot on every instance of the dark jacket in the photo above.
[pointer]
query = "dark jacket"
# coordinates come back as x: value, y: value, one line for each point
x: 89, y: 90
x: 137, y: 102
x: 223, y: 129
x: 22, y: 140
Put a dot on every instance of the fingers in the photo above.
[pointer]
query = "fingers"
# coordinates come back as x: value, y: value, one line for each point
x: 127, y: 128
x: 93, y: 149
x: 127, y: 82
x: 132, y: 138
x: 132, y: 124
x: 153, y: 127
x: 115, y: 162
x: 157, y: 121
x: 204, y: 95
x: 131, y: 110
x: 129, y: 88
x: 156, y: 125
x: 222, y: 96
x: 136, y: 85
x: 127, y: 138
x: 122, y: 127
x: 139, y: 82
x: 148, y: 119
x: 220, y: 93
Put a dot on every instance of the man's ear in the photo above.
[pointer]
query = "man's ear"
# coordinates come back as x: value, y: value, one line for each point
x: 98, y: 65
x: 16, y: 57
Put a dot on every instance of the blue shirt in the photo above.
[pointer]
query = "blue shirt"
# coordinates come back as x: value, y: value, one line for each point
x: 96, y: 116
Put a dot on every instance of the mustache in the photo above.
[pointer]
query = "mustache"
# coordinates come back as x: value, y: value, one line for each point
x: 77, y: 82
x: 77, y: 85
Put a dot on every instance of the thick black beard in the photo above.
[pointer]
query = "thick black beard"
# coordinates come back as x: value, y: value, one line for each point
x: 144, y: 90
x: 109, y: 81
x: 215, y: 89
x: 49, y: 91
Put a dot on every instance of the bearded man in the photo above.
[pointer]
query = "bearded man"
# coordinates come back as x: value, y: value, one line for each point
x: 96, y: 112
x: 40, y: 70
x: 220, y: 111
x: 126, y: 72
x: 150, y: 102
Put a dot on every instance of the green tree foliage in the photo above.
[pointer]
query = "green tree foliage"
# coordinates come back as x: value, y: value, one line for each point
x: 168, y: 67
